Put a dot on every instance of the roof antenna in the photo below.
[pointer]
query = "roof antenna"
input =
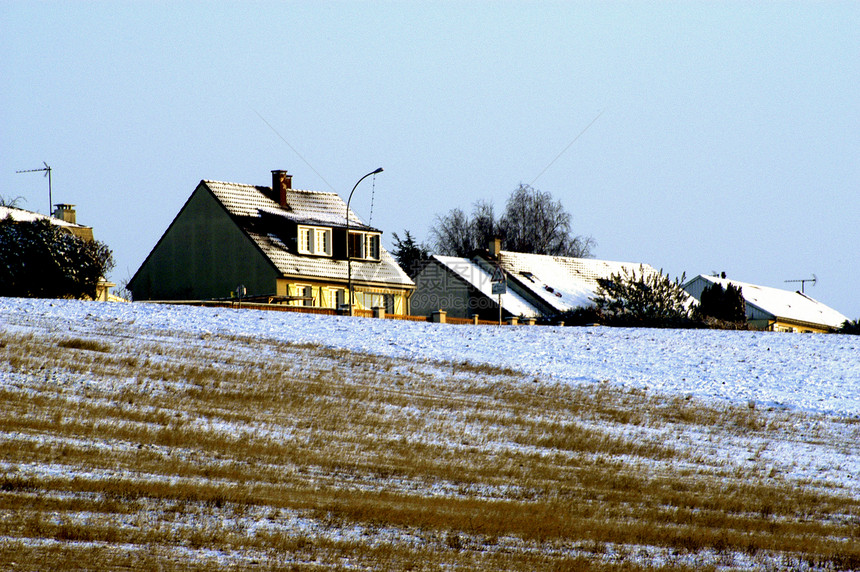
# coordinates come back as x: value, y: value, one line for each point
x: 47, y: 170
x: 803, y: 282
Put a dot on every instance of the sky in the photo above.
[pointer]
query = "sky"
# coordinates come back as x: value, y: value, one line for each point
x: 697, y: 137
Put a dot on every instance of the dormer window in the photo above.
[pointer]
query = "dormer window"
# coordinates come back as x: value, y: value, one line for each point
x: 314, y: 240
x: 364, y: 245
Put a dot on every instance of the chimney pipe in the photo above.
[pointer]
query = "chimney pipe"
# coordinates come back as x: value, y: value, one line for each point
x: 281, y: 184
x: 65, y: 212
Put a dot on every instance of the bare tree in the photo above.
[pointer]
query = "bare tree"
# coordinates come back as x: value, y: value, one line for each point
x: 484, y: 224
x: 10, y: 202
x: 452, y: 234
x: 532, y: 222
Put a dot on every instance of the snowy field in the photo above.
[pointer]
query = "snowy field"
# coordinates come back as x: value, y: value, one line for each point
x: 157, y: 413
x: 811, y: 372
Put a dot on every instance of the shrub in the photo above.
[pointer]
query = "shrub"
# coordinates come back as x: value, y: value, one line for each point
x: 849, y: 327
x: 40, y: 260
x: 647, y: 300
x: 582, y: 316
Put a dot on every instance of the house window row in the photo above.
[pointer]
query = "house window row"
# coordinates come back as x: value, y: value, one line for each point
x: 330, y: 297
x: 318, y: 241
x: 314, y: 240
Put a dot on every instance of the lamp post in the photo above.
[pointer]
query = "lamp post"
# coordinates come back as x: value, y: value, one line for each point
x: 348, y: 257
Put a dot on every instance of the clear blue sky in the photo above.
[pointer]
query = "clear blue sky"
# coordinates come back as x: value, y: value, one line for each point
x: 728, y: 137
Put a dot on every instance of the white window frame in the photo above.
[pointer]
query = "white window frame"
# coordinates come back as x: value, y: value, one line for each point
x: 314, y: 240
x: 304, y: 240
x: 371, y: 248
x: 369, y: 245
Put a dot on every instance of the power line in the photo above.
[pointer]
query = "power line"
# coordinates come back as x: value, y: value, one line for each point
x: 566, y: 148
x: 293, y: 149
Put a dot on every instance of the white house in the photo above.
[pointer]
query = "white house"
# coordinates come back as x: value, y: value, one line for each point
x: 537, y: 285
x: 773, y: 309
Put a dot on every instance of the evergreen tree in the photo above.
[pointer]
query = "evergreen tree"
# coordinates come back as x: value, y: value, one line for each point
x: 649, y: 299
x: 849, y: 327
x: 410, y: 255
x: 723, y: 304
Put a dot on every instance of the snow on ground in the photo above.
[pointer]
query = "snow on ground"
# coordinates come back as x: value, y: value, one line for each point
x: 815, y: 373
x: 819, y: 373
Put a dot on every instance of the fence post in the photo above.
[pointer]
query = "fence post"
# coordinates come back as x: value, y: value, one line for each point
x: 438, y: 317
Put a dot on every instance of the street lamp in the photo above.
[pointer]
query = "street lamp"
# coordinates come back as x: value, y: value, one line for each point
x: 348, y: 257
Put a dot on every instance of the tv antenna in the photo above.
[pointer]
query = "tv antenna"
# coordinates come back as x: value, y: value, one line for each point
x: 803, y: 282
x: 47, y: 170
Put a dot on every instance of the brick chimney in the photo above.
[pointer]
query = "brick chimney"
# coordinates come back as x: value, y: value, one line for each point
x: 281, y: 185
x: 495, y: 246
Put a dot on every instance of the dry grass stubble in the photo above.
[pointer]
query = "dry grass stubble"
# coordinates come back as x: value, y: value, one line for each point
x: 120, y: 454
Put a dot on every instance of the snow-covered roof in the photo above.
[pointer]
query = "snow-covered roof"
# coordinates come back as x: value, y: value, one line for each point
x: 783, y: 304
x: 561, y: 282
x: 22, y: 215
x: 248, y: 203
x: 480, y: 278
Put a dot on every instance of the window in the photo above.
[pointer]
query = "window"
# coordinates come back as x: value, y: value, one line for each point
x: 305, y: 240
x: 322, y: 241
x: 371, y: 249
x: 307, y: 294
x: 364, y: 245
x: 314, y: 240
x: 356, y: 245
x: 338, y: 298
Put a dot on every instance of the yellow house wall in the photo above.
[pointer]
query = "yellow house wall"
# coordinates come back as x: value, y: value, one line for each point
x: 786, y: 326
x: 325, y: 297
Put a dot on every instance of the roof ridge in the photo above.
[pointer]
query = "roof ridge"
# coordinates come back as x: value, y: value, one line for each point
x: 230, y: 183
x: 268, y: 187
x: 575, y: 258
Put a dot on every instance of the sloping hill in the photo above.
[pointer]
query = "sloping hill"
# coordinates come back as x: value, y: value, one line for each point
x: 138, y: 437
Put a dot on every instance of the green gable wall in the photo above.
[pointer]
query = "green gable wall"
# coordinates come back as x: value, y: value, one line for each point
x: 203, y: 255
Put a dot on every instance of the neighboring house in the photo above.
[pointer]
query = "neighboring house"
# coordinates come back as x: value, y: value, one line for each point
x: 537, y: 285
x: 64, y: 217
x: 284, y: 244
x: 773, y: 309
x: 462, y: 287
